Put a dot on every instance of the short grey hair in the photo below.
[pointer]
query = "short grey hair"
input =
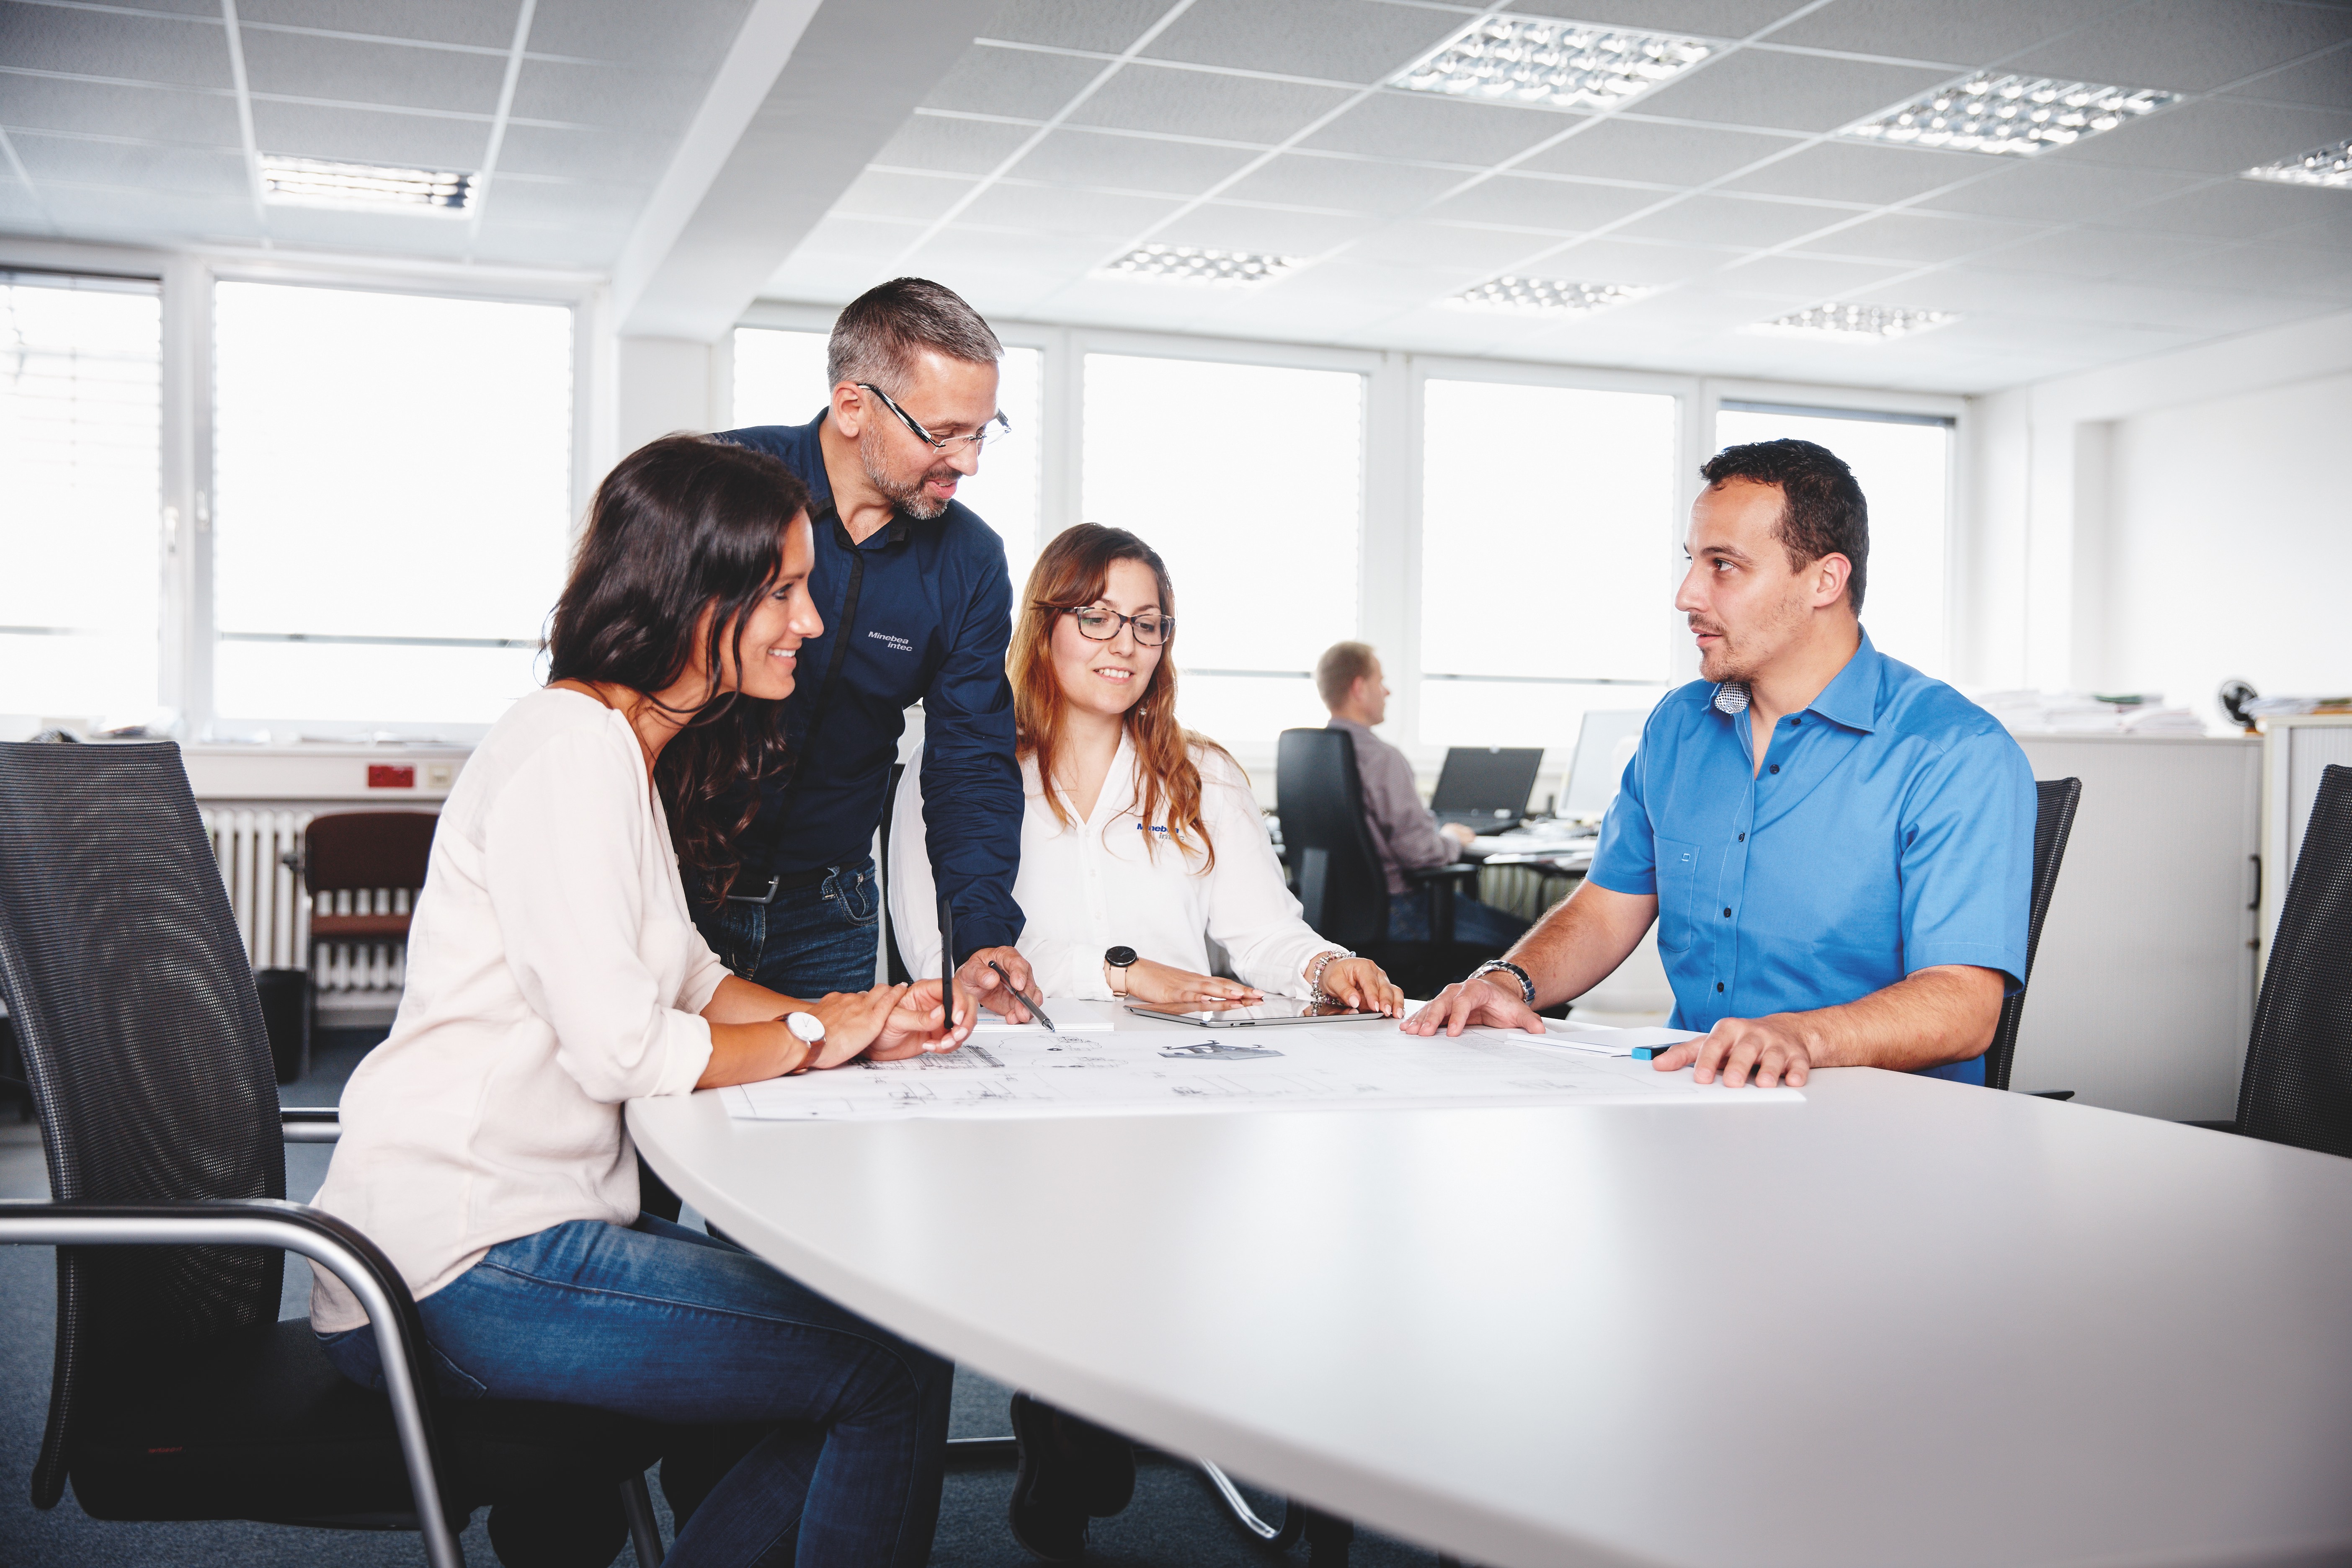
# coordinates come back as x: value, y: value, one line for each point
x: 875, y: 339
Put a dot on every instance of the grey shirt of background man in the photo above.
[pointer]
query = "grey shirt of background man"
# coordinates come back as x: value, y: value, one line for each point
x: 1404, y: 834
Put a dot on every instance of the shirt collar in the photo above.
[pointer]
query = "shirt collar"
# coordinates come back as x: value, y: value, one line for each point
x: 1850, y: 698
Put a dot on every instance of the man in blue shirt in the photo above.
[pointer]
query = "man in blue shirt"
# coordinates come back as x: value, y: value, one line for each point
x: 1836, y: 848
x: 917, y: 607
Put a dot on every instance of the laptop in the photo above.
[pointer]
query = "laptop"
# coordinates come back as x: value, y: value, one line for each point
x: 1486, y: 787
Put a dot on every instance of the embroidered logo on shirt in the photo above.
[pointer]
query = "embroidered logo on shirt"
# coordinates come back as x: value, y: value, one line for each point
x: 897, y: 644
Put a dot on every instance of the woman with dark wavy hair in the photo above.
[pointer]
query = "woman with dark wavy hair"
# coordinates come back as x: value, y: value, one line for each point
x: 554, y: 973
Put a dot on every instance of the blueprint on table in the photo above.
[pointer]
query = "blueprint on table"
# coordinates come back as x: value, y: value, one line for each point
x: 1103, y: 1072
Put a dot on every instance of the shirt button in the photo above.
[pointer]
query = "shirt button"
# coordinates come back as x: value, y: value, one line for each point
x: 1718, y: 985
x: 1726, y: 914
x: 1743, y: 838
x: 1776, y: 767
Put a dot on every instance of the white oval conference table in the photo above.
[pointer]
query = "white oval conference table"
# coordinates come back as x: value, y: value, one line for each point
x: 1906, y: 1323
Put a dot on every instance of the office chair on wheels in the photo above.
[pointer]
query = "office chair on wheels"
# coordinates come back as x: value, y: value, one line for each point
x: 2053, y: 823
x: 177, y: 1392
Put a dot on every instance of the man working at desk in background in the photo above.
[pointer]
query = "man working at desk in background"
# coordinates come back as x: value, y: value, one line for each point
x: 916, y: 604
x: 1837, y: 850
x: 1404, y: 834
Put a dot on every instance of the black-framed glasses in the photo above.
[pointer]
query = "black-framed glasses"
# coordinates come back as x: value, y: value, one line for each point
x: 996, y: 425
x: 1096, y: 624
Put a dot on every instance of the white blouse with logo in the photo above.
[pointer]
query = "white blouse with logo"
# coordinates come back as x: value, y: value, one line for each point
x: 1113, y: 880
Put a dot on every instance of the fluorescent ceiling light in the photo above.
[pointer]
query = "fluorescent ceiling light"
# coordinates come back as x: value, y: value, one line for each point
x: 314, y: 183
x: 2327, y: 166
x: 1544, y: 296
x: 1857, y: 323
x: 1187, y: 264
x: 2019, y: 114
x: 1528, y: 59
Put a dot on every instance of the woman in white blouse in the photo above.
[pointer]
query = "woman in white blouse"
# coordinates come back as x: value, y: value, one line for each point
x: 554, y: 973
x: 1139, y: 834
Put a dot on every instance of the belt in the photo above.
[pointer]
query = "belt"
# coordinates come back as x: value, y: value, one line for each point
x: 789, y: 882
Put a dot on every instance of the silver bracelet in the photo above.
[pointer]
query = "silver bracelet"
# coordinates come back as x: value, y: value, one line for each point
x: 1526, y: 985
x: 1315, y: 992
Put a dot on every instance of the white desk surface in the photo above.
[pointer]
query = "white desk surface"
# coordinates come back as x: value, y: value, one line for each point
x: 1906, y: 1323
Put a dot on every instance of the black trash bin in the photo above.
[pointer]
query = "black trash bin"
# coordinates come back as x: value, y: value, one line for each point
x: 285, y: 1013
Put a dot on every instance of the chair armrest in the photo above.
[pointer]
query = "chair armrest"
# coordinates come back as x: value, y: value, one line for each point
x: 310, y: 1125
x: 317, y: 1234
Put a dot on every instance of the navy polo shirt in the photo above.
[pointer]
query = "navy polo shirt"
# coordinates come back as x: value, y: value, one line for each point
x: 1892, y: 830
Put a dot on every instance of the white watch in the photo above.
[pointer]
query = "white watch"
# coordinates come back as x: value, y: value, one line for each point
x: 809, y: 1030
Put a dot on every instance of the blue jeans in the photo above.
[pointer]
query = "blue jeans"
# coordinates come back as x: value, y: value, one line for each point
x: 807, y: 940
x: 666, y: 1324
x: 1481, y: 925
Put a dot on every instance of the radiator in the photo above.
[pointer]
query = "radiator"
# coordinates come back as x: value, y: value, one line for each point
x: 258, y: 851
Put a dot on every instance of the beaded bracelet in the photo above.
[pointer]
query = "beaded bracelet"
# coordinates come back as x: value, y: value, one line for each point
x: 1315, y: 993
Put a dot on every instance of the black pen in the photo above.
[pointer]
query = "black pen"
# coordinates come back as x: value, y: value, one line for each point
x: 1033, y: 1008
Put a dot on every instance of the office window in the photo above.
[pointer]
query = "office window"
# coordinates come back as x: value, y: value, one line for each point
x: 80, y: 437
x: 1546, y: 540
x: 780, y: 380
x: 1902, y: 463
x: 1248, y: 480
x: 393, y: 507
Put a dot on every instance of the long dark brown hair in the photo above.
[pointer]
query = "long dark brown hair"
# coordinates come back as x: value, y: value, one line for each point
x: 1072, y: 573
x: 680, y: 525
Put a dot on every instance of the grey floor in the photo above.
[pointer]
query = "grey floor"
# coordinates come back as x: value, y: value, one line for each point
x: 1174, y: 1520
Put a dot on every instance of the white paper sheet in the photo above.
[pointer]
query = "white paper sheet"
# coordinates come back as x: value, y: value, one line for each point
x: 1597, y: 1039
x: 1102, y: 1072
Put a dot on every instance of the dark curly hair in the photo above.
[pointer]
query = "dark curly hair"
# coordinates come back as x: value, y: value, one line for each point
x: 680, y: 525
x: 1822, y: 511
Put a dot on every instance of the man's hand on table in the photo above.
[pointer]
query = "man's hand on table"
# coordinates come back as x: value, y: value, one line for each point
x: 1493, y: 999
x: 1772, y: 1048
x: 977, y: 979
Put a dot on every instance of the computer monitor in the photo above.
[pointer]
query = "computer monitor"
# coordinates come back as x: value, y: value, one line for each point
x: 1603, y: 747
x: 1487, y: 783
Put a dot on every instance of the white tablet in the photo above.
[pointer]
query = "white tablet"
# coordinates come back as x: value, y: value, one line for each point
x: 1278, y: 1011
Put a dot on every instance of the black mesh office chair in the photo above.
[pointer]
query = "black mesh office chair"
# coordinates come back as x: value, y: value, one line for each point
x: 1338, y: 877
x: 2298, y: 1083
x: 177, y: 1394
x: 2053, y: 823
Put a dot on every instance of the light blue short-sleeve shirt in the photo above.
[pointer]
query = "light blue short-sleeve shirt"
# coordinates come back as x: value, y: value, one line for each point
x: 1891, y: 830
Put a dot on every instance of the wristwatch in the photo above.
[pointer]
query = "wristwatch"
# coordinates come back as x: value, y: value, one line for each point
x: 809, y: 1030
x: 1526, y: 987
x: 1118, y: 960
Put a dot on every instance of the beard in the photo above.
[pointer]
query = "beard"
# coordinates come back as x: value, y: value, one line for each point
x: 1741, y: 656
x: 905, y: 494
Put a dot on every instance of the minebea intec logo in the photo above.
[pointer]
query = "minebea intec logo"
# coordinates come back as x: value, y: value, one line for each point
x: 897, y: 644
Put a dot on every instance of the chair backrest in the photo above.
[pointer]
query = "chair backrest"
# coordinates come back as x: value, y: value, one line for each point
x: 894, y: 962
x: 367, y: 849
x: 1320, y: 800
x: 141, y: 1036
x: 2054, y: 823
x: 2297, y: 1085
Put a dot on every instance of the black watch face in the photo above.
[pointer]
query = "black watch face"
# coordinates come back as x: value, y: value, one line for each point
x: 1120, y: 957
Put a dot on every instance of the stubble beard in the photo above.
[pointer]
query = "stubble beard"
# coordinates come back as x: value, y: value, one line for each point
x: 1737, y: 660
x: 908, y: 495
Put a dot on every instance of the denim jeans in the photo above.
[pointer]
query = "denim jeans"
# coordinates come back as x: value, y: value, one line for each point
x: 1481, y: 925
x: 807, y: 940
x: 666, y: 1324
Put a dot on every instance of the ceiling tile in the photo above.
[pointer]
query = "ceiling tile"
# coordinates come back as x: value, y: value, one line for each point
x: 1439, y: 130
x: 667, y: 36
x: 919, y: 196
x: 193, y: 53
x: 375, y: 136
x: 2189, y: 45
x: 1021, y: 83
x: 1391, y: 287
x: 1850, y: 171
x: 571, y: 245
x: 1050, y: 209
x: 1707, y: 18
x: 1979, y: 33
x: 374, y: 233
x: 1629, y: 148
x: 587, y: 155
x: 1339, y: 40
x: 298, y: 65
x: 2325, y: 83
x: 1110, y: 26
x: 2333, y: 227
x: 955, y: 146
x: 2091, y: 253
x: 1921, y: 238
x: 1556, y: 206
x: 186, y: 171
x: 1075, y: 157
x: 1347, y: 184
x: 438, y: 21
x: 20, y: 212
x: 862, y: 240
x: 147, y: 216
x: 659, y: 102
x: 2229, y: 209
x: 1748, y: 222
x: 2218, y: 136
x: 1814, y: 278
x: 2266, y: 269
x: 1784, y: 92
x: 1425, y: 244
x: 149, y: 114
x: 2054, y: 190
x: 1206, y: 103
x: 1610, y: 260
x: 591, y: 203
x: 1268, y: 230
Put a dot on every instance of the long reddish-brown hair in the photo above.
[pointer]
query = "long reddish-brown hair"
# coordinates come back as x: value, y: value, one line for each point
x: 1071, y: 574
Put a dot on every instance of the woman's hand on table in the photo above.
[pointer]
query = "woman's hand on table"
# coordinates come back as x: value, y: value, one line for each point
x: 852, y: 1020
x: 1164, y: 986
x: 917, y: 1024
x: 1361, y: 985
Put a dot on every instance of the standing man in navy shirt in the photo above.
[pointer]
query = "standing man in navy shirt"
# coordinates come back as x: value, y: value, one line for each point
x: 1837, y: 850
x: 917, y: 607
